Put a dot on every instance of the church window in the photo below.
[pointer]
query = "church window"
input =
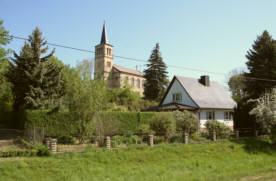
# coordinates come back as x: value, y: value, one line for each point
x: 108, y: 51
x: 132, y: 82
x: 138, y: 83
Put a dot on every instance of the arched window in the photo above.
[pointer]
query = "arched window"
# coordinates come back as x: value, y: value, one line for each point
x: 126, y: 79
x: 132, y: 82
x: 138, y: 83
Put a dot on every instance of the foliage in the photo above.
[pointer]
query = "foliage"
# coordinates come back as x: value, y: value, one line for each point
x: 261, y: 64
x: 186, y: 121
x: 6, y: 98
x: 117, y: 140
x: 67, y: 139
x: 156, y: 76
x: 265, y: 112
x: 17, y: 153
x: 43, y: 151
x: 163, y: 124
x: 36, y: 82
x: 197, y: 137
x: 159, y: 139
x: 85, y: 99
x: 222, y: 131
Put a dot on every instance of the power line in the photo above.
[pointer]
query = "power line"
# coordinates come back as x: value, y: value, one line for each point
x: 144, y: 61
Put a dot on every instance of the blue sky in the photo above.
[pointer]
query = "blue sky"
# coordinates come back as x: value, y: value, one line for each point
x: 211, y: 35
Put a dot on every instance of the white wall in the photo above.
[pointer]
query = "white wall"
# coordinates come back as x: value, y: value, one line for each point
x: 177, y: 88
x: 219, y: 116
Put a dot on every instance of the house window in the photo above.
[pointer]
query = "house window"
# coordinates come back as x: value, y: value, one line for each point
x: 108, y: 64
x: 210, y: 115
x: 132, y: 82
x: 138, y: 83
x: 126, y: 79
x: 227, y: 116
x: 143, y: 83
x: 177, y: 97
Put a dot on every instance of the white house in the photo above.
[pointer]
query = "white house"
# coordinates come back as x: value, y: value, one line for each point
x: 208, y: 99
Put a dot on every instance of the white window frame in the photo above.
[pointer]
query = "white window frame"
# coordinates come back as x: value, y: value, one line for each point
x: 210, y: 115
x: 228, y: 116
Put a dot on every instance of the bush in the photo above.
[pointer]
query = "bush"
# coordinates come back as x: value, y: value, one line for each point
x: 67, y: 140
x: 163, y: 124
x: 43, y: 151
x: 18, y: 153
x: 128, y: 140
x: 222, y: 131
x: 176, y: 138
x: 197, y: 137
x: 158, y: 139
x: 186, y: 121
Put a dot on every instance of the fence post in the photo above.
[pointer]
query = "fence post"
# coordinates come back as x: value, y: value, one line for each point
x: 151, y: 143
x: 214, y: 136
x: 54, y: 145
x: 186, y: 138
x: 237, y: 134
x: 48, y: 143
x: 108, y: 145
x: 256, y: 133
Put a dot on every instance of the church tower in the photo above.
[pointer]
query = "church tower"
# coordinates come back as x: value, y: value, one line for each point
x: 103, y: 57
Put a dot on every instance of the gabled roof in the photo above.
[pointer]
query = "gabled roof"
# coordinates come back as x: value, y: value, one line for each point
x: 213, y: 96
x: 128, y: 70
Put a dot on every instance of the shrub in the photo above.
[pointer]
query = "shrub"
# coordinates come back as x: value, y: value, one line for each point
x: 163, y: 124
x: 197, y: 137
x: 43, y: 151
x: 222, y: 131
x: 186, y: 121
x: 158, y: 139
x: 176, y: 138
x: 67, y: 140
x: 128, y: 140
x: 18, y: 153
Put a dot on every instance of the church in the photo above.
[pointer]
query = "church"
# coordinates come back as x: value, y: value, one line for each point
x: 116, y: 76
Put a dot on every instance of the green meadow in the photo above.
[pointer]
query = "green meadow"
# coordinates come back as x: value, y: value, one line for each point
x: 249, y: 159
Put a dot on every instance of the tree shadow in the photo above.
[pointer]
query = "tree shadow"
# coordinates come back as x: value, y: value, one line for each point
x: 257, y: 145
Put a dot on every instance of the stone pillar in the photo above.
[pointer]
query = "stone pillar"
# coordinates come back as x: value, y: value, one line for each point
x: 237, y: 134
x: 256, y: 133
x: 214, y: 137
x: 186, y: 138
x: 53, y: 144
x: 48, y: 143
x: 151, y: 143
x: 107, y: 143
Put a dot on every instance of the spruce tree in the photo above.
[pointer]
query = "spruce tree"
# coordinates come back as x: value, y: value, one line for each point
x: 156, y: 76
x: 261, y: 64
x: 37, y: 82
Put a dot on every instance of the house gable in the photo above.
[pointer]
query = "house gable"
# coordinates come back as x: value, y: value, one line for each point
x: 176, y: 88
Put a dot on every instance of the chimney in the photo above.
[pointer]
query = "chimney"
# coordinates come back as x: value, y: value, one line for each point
x: 205, y: 80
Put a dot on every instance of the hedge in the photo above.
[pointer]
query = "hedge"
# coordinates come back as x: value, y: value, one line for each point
x: 61, y: 124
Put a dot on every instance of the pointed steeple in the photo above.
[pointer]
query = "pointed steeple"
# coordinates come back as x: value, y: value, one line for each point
x: 104, y: 36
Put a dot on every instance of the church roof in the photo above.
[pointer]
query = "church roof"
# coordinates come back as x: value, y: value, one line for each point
x: 127, y: 70
x: 104, y: 36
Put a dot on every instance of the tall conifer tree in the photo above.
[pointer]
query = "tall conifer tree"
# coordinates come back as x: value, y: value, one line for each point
x: 261, y: 64
x: 155, y: 75
x: 36, y: 81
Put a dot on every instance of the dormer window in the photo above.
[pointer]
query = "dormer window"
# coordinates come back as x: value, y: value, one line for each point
x: 177, y: 97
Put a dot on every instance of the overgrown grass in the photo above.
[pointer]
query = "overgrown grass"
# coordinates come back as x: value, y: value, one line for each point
x: 208, y: 161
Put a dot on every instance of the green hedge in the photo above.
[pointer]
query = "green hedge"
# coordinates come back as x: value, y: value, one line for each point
x: 61, y: 124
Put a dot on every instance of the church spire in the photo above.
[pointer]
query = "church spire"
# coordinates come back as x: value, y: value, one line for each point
x: 104, y: 36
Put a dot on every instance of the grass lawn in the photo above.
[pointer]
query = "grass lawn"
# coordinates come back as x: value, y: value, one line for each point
x: 236, y: 160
